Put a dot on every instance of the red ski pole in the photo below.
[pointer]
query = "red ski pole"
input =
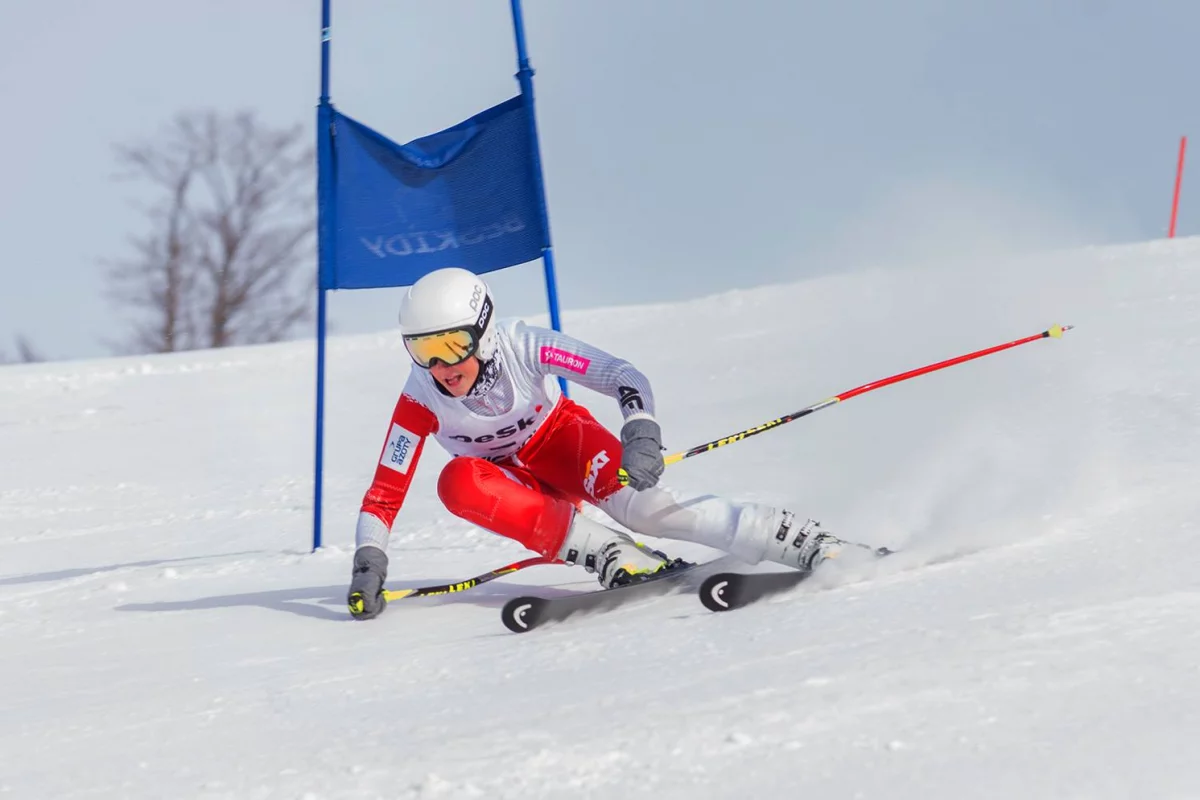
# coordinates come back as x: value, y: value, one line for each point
x: 1055, y: 332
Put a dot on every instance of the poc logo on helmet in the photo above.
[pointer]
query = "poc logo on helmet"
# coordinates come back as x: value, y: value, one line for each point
x: 475, y: 296
x: 484, y: 315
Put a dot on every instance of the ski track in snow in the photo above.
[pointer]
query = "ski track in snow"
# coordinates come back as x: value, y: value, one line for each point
x: 164, y: 631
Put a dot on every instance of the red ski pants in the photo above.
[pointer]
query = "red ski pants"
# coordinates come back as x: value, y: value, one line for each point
x: 531, y: 497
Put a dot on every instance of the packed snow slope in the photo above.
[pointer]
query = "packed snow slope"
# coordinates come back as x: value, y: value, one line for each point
x: 165, y: 632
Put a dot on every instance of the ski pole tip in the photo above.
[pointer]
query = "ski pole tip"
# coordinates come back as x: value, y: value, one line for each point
x: 1058, y: 330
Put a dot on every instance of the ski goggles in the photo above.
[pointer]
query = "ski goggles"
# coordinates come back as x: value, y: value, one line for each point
x: 450, y: 347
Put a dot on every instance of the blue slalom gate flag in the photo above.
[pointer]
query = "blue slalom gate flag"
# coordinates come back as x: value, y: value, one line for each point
x: 469, y: 196
x: 466, y: 197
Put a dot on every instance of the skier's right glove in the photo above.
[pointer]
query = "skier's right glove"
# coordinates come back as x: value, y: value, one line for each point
x: 366, y: 598
x: 641, y: 452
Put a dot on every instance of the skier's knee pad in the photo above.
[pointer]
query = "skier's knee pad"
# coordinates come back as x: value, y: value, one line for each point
x: 458, y: 485
x: 467, y: 482
x: 498, y: 500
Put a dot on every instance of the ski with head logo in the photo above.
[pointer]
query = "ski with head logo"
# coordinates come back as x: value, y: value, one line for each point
x: 726, y: 591
x: 523, y: 614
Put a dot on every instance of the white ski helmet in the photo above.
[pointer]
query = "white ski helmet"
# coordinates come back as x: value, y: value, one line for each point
x: 447, y: 315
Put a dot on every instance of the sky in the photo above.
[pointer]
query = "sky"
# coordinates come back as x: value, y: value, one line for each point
x: 689, y: 146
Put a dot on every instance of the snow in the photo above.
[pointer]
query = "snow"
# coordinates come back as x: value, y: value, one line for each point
x: 164, y: 631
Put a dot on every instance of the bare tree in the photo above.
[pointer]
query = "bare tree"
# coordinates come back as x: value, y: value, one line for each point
x: 159, y: 278
x: 26, y: 353
x: 228, y: 258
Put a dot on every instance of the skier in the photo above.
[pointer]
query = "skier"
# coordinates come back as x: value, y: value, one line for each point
x: 527, y: 458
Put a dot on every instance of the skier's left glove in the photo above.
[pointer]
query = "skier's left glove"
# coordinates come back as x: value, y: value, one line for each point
x: 366, y: 598
x: 641, y: 452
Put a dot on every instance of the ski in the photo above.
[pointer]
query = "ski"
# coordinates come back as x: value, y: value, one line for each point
x: 523, y: 614
x: 726, y: 591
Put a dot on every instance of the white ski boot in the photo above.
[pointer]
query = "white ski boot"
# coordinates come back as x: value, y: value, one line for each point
x: 768, y: 534
x: 615, y: 557
x: 805, y: 546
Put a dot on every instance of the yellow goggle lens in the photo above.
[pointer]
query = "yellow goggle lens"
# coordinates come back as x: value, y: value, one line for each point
x: 449, y: 347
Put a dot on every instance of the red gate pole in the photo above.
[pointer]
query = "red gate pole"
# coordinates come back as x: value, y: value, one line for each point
x: 1178, y: 186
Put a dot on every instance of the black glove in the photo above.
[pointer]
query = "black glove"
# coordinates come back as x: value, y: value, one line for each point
x: 366, y: 598
x: 641, y: 452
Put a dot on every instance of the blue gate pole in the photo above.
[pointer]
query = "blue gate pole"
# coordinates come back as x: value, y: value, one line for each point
x: 323, y: 185
x: 525, y: 78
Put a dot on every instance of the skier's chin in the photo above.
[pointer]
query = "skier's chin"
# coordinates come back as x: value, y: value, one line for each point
x: 455, y: 384
x: 456, y: 380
